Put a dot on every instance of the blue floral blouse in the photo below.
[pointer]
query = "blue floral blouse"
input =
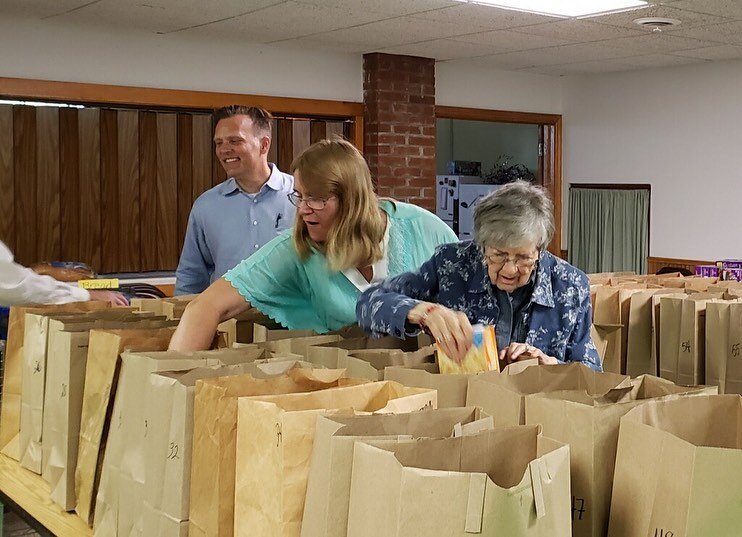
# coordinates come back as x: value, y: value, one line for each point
x: 558, y: 319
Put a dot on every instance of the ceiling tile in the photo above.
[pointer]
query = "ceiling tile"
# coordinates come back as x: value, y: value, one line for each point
x: 441, y: 49
x: 166, y: 16
x: 39, y: 8
x: 657, y: 60
x: 289, y: 20
x: 492, y: 18
x: 393, y: 32
x: 389, y: 7
x: 581, y: 68
x: 720, y: 8
x: 506, y: 40
x: 321, y: 43
x: 722, y: 52
x: 656, y: 42
x: 557, y: 55
x: 688, y: 19
x: 730, y: 33
x: 579, y: 31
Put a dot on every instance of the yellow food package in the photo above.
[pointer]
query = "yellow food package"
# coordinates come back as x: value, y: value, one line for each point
x: 481, y: 357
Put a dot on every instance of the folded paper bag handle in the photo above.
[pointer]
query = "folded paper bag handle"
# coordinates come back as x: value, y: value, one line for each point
x: 475, y: 504
x: 537, y: 468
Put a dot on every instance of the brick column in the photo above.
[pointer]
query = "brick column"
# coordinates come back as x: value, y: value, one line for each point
x: 399, y: 126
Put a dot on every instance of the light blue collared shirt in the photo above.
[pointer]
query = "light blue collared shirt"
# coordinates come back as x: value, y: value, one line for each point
x: 228, y: 225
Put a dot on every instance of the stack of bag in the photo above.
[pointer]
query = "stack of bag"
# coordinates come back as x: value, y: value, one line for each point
x: 282, y: 433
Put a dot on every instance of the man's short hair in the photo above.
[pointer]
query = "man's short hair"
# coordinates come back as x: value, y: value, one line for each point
x: 261, y: 118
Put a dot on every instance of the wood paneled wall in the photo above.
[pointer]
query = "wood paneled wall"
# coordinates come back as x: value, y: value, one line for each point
x: 656, y: 263
x: 111, y: 187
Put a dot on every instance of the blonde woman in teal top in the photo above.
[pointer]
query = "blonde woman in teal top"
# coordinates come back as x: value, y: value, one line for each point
x: 344, y: 240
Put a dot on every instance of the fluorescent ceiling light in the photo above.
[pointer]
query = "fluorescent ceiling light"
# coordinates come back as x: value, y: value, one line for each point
x: 564, y: 8
x: 40, y: 104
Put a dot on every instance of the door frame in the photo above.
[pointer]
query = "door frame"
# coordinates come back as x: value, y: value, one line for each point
x: 549, y: 170
x: 105, y: 94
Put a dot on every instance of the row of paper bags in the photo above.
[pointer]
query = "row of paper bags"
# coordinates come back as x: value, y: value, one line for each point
x: 131, y: 502
x: 687, y: 330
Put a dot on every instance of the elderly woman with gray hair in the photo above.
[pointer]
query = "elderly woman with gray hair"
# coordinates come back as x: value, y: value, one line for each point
x: 538, y: 303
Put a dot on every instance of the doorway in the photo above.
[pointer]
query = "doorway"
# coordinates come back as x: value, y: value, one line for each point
x: 547, y: 170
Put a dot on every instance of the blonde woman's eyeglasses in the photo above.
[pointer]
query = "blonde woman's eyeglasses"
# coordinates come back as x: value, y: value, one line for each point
x: 316, y: 204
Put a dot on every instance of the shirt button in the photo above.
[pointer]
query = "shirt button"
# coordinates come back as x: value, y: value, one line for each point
x: 254, y: 222
x: 255, y: 200
x: 256, y: 246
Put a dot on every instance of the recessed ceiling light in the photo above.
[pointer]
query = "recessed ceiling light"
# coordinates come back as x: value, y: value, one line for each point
x: 564, y: 8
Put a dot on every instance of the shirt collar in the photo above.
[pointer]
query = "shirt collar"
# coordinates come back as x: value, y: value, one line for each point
x: 275, y: 180
x: 542, y: 291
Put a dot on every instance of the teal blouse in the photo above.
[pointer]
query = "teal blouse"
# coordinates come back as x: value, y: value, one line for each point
x: 307, y: 295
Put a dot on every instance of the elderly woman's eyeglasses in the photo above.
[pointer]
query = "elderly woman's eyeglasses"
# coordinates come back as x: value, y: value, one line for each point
x: 316, y: 204
x: 500, y: 259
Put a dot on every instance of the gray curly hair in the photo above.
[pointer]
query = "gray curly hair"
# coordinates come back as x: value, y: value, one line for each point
x: 514, y: 214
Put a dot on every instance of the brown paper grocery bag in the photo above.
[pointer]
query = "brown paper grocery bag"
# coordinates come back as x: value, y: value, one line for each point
x: 271, y: 332
x: 717, y: 343
x: 589, y: 424
x: 502, y: 396
x: 456, y: 487
x: 601, y: 334
x: 153, y: 305
x: 671, y: 315
x: 214, y: 439
x: 328, y: 485
x: 101, y: 375
x: 10, y: 408
x: 451, y: 388
x: 275, y: 435
x: 297, y: 345
x: 371, y: 363
x: 692, y: 350
x: 607, y: 311
x: 639, y: 357
x: 68, y: 344
x: 119, y: 503
x: 733, y: 380
x: 679, y: 469
x: 240, y: 328
x: 657, y: 326
x: 168, y: 444
x: 125, y: 478
x: 37, y: 334
x: 334, y: 354
x: 624, y: 299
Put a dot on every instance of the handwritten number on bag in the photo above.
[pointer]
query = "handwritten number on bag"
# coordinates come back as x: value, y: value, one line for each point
x: 578, y: 508
x: 735, y: 350
x: 174, y: 448
x: 279, y: 435
x: 37, y: 367
x: 686, y: 346
x: 659, y: 532
x: 64, y: 390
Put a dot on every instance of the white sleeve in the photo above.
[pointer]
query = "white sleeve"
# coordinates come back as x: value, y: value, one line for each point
x: 21, y: 285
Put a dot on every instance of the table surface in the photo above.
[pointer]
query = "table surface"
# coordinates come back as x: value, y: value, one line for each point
x: 31, y: 493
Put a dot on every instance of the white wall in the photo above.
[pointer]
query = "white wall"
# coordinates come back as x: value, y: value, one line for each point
x: 51, y: 50
x: 679, y: 129
x: 55, y: 50
x: 476, y: 85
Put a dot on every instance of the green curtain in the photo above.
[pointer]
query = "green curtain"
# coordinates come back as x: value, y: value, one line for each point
x: 608, y: 229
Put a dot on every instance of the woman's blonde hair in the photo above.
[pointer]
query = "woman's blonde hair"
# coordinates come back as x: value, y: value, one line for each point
x: 336, y: 168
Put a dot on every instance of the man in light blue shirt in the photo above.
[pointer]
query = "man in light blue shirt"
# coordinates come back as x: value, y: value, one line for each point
x: 231, y: 221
